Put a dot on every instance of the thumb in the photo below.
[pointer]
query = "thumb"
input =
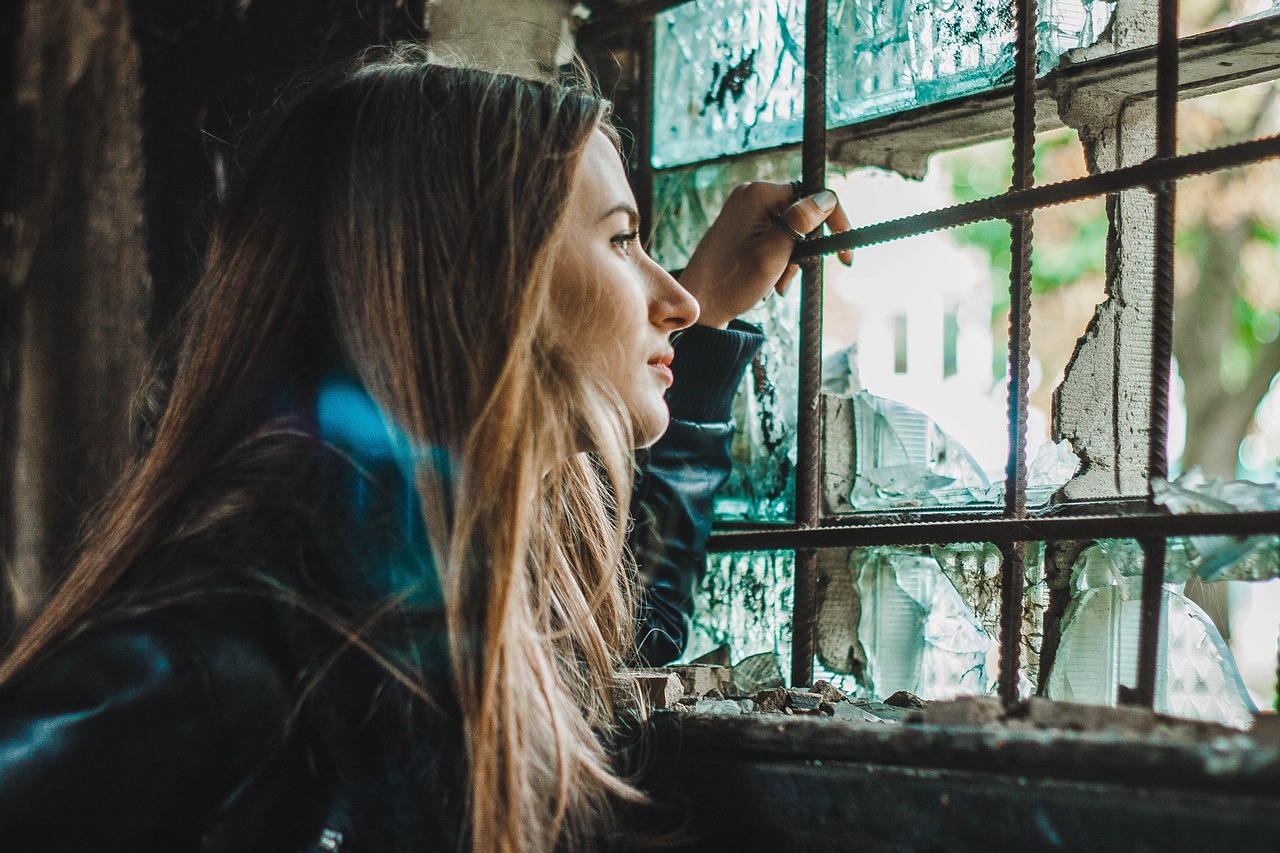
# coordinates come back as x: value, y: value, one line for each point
x: 810, y: 212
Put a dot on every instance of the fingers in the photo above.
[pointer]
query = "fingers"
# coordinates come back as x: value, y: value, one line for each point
x: 785, y: 279
x: 836, y: 222
x: 808, y: 214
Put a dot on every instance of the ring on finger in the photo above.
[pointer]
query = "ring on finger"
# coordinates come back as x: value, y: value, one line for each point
x: 781, y: 222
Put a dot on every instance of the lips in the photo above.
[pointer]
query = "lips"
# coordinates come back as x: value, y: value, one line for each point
x: 662, y: 364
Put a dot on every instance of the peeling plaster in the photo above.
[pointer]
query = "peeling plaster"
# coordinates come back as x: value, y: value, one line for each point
x: 525, y: 37
x: 1102, y: 406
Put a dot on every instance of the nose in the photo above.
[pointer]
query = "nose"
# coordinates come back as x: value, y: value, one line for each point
x: 671, y: 307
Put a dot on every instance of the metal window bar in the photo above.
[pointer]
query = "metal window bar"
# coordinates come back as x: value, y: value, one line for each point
x: 813, y: 160
x: 1014, y: 529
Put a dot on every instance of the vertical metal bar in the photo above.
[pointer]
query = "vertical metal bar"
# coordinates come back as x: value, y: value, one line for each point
x: 1153, y: 558
x: 1161, y: 344
x: 642, y: 174
x: 808, y: 419
x: 1013, y: 566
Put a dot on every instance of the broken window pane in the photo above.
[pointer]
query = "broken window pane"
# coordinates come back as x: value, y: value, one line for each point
x: 1215, y: 558
x: 687, y: 200
x: 729, y: 74
x: 1196, y: 675
x: 745, y: 603
x: 923, y: 620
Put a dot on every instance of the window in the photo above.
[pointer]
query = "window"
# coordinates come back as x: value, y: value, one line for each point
x: 900, y: 343
x: 867, y: 491
x: 950, y: 342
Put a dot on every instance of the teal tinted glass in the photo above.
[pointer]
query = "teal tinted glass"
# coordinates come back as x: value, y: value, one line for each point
x: 729, y: 74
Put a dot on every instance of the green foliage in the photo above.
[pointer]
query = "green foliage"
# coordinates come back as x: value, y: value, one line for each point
x: 1076, y: 248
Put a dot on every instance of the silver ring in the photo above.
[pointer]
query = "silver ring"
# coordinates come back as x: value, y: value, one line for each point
x: 782, y: 223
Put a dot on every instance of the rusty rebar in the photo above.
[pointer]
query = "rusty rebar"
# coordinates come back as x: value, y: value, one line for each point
x: 995, y: 529
x: 1153, y: 570
x: 808, y: 418
x: 1046, y: 195
x: 1013, y: 564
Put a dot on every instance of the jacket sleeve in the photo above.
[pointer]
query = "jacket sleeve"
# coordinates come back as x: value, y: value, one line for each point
x: 127, y: 736
x: 678, y: 480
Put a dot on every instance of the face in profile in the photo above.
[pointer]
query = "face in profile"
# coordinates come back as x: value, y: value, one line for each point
x: 617, y: 307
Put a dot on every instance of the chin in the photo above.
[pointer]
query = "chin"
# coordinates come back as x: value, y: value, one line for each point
x: 650, y: 426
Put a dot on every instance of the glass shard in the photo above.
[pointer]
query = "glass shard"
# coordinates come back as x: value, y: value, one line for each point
x: 745, y: 602
x: 761, y: 485
x: 914, y: 631
x: 1225, y: 557
x: 729, y: 74
x: 687, y: 200
x: 1196, y: 675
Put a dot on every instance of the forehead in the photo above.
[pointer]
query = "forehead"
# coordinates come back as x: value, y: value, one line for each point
x: 601, y: 180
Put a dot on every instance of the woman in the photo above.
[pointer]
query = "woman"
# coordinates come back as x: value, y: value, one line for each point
x: 365, y: 590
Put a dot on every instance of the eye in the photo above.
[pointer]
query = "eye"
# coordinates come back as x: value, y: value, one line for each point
x: 626, y: 241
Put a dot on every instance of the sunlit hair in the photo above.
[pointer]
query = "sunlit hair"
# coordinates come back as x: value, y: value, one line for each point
x: 400, y: 223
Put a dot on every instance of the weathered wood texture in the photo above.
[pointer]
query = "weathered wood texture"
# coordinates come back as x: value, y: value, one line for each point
x: 775, y: 783
x: 122, y: 122
x: 74, y: 270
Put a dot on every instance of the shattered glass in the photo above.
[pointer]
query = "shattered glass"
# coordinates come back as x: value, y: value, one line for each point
x: 916, y: 619
x: 745, y: 602
x: 729, y: 74
x: 728, y: 77
x: 687, y: 200
x: 1197, y: 677
x: 761, y: 485
x: 919, y: 634
x: 902, y: 459
x: 1215, y: 558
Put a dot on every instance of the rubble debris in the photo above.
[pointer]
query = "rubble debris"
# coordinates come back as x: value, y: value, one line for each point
x: 963, y: 711
x: 828, y: 691
x: 721, y: 706
x: 756, y: 673
x: 772, y: 701
x: 857, y: 713
x: 645, y: 691
x: 701, y: 679
x: 802, y: 702
x: 719, y: 656
x: 882, y: 712
x: 903, y: 699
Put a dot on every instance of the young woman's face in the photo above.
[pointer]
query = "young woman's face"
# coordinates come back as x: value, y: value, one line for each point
x: 616, y: 306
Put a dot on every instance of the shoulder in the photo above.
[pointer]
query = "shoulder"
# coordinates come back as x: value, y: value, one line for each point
x: 145, y: 720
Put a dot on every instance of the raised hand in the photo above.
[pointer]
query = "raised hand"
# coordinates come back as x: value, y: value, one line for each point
x: 746, y: 252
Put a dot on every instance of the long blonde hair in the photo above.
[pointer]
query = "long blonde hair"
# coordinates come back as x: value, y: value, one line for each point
x: 401, y: 220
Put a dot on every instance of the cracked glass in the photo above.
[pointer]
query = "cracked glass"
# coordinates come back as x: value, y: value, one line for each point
x: 729, y: 74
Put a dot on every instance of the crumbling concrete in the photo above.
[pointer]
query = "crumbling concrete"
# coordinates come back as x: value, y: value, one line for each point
x: 1102, y: 406
x: 527, y: 37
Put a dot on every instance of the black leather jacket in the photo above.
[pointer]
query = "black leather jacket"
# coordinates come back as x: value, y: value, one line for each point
x: 179, y: 726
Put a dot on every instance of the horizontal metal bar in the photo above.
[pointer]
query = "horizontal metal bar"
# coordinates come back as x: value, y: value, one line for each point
x: 1008, y: 204
x: 621, y: 18
x: 1041, y: 529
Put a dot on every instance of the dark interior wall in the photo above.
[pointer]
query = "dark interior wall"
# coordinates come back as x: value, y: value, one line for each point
x: 74, y: 268
x: 10, y: 23
x: 119, y: 121
x: 209, y: 69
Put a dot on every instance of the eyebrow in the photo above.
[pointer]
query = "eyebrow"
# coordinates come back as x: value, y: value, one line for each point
x: 623, y: 207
